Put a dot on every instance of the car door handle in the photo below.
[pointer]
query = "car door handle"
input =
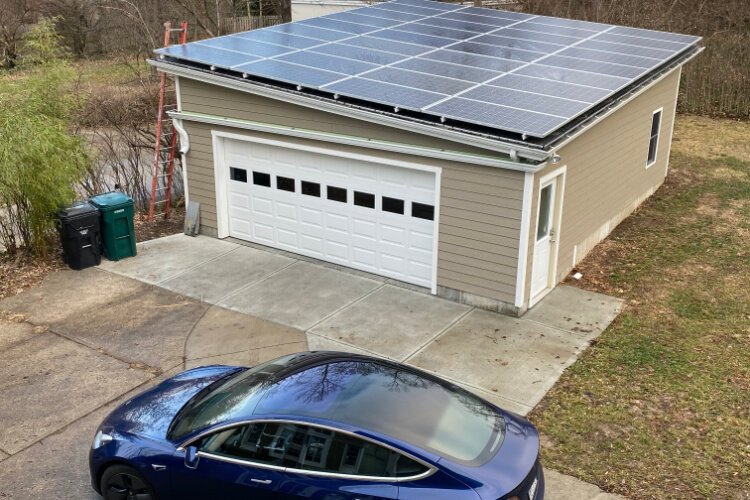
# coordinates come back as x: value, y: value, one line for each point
x: 261, y: 481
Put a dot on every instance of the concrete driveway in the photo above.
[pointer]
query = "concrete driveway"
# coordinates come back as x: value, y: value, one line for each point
x: 81, y: 342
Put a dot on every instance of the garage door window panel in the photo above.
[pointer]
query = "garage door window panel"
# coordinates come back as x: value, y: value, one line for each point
x: 262, y: 179
x: 422, y: 211
x: 393, y: 205
x: 311, y: 188
x: 366, y: 200
x: 336, y: 194
x: 285, y: 183
x: 238, y: 174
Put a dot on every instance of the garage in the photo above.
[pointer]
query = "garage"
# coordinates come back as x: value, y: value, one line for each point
x: 476, y: 153
x: 367, y: 215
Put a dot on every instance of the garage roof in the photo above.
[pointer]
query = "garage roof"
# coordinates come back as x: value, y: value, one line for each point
x: 467, y: 67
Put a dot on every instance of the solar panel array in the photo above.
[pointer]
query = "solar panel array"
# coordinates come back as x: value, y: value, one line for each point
x: 506, y: 70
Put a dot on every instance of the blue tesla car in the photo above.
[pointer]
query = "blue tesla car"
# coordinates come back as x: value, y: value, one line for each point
x: 314, y: 425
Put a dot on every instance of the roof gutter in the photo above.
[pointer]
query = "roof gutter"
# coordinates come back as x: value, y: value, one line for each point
x: 350, y: 140
x: 531, y: 154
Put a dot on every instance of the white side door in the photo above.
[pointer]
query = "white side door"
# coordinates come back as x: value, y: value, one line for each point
x: 544, y: 241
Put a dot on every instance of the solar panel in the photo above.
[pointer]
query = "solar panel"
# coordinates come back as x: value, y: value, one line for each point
x: 357, y: 54
x: 550, y: 88
x: 328, y: 62
x: 278, y: 38
x: 310, y: 32
x: 450, y: 70
x: 385, y: 93
x: 493, y: 115
x: 405, y: 49
x: 621, y: 48
x: 245, y: 46
x: 208, y: 55
x: 510, y: 71
x: 474, y: 61
x: 442, y: 85
x: 351, y: 17
x: 598, y: 55
x: 526, y: 100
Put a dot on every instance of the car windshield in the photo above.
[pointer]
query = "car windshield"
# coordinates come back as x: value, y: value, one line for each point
x: 235, y: 396
x: 395, y: 401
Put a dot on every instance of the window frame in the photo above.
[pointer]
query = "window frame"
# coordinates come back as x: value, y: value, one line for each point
x: 649, y: 162
x: 430, y: 469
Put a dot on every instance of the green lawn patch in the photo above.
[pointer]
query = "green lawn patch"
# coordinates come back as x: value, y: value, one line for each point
x: 659, y: 406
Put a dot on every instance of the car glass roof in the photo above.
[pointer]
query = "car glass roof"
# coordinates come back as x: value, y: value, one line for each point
x: 391, y: 400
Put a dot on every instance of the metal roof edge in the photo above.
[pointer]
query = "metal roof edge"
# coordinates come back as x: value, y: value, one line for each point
x: 351, y: 140
x: 625, y: 99
x: 533, y: 154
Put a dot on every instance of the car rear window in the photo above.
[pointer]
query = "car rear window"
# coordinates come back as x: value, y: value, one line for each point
x: 394, y: 401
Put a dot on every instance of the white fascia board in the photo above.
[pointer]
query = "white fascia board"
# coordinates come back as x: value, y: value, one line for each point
x: 364, y: 142
x: 352, y: 112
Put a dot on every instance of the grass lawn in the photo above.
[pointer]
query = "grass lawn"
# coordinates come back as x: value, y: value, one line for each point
x: 659, y: 406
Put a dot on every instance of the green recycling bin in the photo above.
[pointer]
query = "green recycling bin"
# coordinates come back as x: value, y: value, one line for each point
x: 118, y: 232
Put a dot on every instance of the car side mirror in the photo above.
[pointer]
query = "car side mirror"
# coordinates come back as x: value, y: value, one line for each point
x: 191, y: 457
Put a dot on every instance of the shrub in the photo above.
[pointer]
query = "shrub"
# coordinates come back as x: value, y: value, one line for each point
x: 40, y: 160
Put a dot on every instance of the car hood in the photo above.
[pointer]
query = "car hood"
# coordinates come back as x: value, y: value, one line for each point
x: 150, y: 413
x: 510, y: 465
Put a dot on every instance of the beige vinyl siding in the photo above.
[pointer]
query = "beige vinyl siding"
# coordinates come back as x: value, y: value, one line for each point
x: 200, y: 97
x: 606, y: 175
x: 480, y: 209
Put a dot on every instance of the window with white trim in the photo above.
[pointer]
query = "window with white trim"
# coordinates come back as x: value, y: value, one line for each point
x: 653, y: 143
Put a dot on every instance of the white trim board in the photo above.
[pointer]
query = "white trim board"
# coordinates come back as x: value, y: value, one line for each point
x: 220, y: 179
x: 364, y: 142
x: 523, y: 244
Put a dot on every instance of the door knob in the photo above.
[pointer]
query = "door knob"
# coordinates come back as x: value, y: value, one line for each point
x: 261, y: 481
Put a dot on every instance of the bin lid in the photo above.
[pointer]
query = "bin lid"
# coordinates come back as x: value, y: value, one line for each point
x: 112, y: 199
x: 77, y: 209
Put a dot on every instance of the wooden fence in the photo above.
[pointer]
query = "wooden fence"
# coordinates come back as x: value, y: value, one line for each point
x: 247, y: 23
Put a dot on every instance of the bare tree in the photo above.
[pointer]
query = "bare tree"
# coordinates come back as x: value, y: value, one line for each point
x: 15, y: 17
x: 77, y: 22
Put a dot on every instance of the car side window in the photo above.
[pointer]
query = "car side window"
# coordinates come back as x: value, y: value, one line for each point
x: 340, y: 453
x: 265, y: 443
x: 308, y: 448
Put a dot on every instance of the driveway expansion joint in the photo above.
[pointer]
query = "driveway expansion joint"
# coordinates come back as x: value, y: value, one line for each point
x: 193, y: 268
x: 345, y: 306
x: 252, y: 284
x: 438, y: 334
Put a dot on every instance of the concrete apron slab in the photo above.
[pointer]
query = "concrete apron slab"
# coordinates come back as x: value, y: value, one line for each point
x: 220, y: 277
x: 391, y: 322
x: 516, y: 359
x: 164, y: 258
x: 301, y: 295
x: 44, y: 388
x: 228, y: 337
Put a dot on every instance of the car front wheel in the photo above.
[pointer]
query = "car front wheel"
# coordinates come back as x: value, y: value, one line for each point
x: 120, y: 482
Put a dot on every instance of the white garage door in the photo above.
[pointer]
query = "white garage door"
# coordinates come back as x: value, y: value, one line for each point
x: 369, y: 216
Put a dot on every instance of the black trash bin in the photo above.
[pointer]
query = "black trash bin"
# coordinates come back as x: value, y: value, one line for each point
x: 80, y: 235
